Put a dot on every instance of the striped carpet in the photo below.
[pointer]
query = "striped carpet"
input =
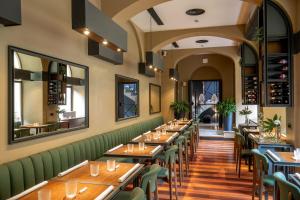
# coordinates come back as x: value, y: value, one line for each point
x: 212, y: 175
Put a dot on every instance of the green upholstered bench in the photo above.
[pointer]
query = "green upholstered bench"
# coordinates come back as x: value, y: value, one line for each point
x: 19, y: 175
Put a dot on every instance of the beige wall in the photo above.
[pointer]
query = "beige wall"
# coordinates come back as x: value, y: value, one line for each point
x: 46, y: 28
x: 218, y: 67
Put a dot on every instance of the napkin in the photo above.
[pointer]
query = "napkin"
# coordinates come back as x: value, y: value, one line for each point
x: 138, y: 137
x: 29, y: 190
x: 105, y: 193
x: 170, y: 138
x: 183, y: 127
x: 275, y: 157
x: 73, y: 168
x: 297, y: 175
x: 122, y: 178
x: 147, y: 133
x: 155, y: 149
x: 157, y: 128
x: 119, y: 146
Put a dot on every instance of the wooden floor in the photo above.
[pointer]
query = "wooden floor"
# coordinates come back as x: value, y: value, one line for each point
x: 213, y: 175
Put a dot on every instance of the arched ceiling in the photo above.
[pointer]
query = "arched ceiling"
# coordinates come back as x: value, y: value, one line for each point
x: 190, y: 42
x: 173, y: 14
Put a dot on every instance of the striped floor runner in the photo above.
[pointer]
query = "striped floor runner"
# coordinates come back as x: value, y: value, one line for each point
x: 213, y: 176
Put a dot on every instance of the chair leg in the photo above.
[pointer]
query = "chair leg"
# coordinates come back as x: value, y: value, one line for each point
x: 170, y: 182
x: 186, y: 160
x: 156, y: 192
x: 240, y: 163
x: 180, y: 166
x: 175, y: 181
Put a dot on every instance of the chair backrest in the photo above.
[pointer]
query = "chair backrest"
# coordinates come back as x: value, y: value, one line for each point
x: 261, y: 165
x: 287, y: 190
x: 137, y: 194
x: 149, y: 179
x: 241, y: 141
x: 170, y: 154
x: 180, y: 141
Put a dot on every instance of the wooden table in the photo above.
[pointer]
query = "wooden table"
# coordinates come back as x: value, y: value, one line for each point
x: 267, y: 143
x: 286, y: 162
x: 105, y: 177
x: 38, y: 128
x: 58, y: 191
x: 137, y: 154
x: 178, y: 128
x: 163, y: 140
x: 246, y: 131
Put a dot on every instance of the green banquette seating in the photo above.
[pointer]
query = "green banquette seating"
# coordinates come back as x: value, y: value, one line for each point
x: 19, y: 175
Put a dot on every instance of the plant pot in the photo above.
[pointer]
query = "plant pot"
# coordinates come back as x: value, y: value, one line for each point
x: 228, y: 122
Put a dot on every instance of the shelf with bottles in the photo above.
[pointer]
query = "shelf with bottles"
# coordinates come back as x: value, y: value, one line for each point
x: 279, y: 93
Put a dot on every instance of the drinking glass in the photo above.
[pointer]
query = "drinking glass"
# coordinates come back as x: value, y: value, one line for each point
x: 141, y: 146
x: 130, y: 147
x: 94, y: 169
x: 110, y: 165
x: 155, y: 136
x: 44, y: 194
x: 148, y: 137
x: 71, y: 189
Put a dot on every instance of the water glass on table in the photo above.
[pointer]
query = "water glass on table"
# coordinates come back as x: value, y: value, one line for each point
x: 71, y: 189
x: 44, y: 194
x: 141, y: 146
x: 130, y: 147
x: 111, y: 165
x: 94, y: 169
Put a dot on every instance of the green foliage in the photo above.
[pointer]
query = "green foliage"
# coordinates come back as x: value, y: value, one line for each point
x: 180, y: 107
x: 59, y: 111
x: 259, y: 34
x: 245, y: 111
x: 226, y: 107
x: 270, y: 124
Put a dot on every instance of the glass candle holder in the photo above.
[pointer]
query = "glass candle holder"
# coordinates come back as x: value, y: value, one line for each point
x: 71, y: 189
x: 130, y: 147
x: 94, y: 169
x: 111, y: 165
x: 44, y: 194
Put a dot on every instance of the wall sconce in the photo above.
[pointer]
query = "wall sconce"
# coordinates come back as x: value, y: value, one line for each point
x: 173, y: 74
x: 154, y: 61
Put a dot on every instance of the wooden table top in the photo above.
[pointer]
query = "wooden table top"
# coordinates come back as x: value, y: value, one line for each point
x: 146, y: 153
x: 58, y: 191
x: 286, y: 157
x: 177, y: 128
x: 162, y: 140
x: 105, y: 177
x: 267, y: 141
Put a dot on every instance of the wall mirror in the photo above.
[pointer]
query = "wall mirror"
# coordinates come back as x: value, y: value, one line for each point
x: 154, y: 98
x: 127, y: 98
x: 46, y: 95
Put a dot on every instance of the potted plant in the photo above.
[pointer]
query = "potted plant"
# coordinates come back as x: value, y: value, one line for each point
x: 180, y: 108
x: 246, y: 112
x: 273, y: 124
x: 226, y: 108
x: 58, y: 112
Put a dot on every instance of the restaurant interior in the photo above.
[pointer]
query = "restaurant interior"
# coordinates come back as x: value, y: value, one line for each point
x: 149, y: 99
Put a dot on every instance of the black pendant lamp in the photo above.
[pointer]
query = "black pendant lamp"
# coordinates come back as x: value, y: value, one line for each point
x: 10, y: 12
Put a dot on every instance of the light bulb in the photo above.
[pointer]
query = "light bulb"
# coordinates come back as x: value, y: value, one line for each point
x: 104, y: 42
x: 150, y: 66
x: 155, y: 69
x: 86, y: 32
x: 118, y: 50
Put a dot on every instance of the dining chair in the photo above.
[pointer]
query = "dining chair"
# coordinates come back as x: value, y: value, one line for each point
x: 192, y: 140
x: 168, y: 172
x: 287, y: 190
x: 262, y: 182
x: 196, y: 124
x: 136, y: 194
x: 188, y: 135
x: 180, y: 142
x: 242, y: 153
x: 195, y: 136
x: 149, y: 181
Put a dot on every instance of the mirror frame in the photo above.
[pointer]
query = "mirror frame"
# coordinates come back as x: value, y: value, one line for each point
x: 152, y: 84
x: 117, y: 76
x: 11, y: 50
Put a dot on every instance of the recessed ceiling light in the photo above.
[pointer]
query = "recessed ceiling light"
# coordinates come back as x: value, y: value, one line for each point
x: 201, y: 41
x: 195, y: 12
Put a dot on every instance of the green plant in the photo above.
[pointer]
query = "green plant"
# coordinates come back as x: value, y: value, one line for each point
x: 226, y: 107
x: 270, y: 124
x: 180, y: 107
x: 245, y: 111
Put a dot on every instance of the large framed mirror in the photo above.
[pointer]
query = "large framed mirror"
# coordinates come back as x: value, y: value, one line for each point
x: 154, y: 98
x: 127, y: 97
x: 47, y: 95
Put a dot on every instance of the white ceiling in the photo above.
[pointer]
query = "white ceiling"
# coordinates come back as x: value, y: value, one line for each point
x: 172, y: 13
x: 188, y: 43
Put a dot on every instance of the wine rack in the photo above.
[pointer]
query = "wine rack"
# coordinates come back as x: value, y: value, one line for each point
x: 250, y: 78
x: 57, y: 84
x: 277, y: 57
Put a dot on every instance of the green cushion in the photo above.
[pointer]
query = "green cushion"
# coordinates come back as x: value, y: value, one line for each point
x: 77, y: 153
x: 269, y: 180
x: 88, y: 151
x: 64, y: 160
x: 136, y: 194
x: 93, y: 148
x: 55, y: 161
x: 71, y: 155
x: 16, y: 177
x: 48, y: 165
x: 5, y: 191
x: 38, y: 168
x: 28, y: 170
x: 163, y: 173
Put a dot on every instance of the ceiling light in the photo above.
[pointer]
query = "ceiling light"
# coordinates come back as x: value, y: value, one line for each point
x: 201, y: 41
x: 205, y: 60
x: 104, y: 42
x: 195, y: 12
x: 150, y: 66
x: 118, y: 50
x: 86, y: 32
x: 155, y: 69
